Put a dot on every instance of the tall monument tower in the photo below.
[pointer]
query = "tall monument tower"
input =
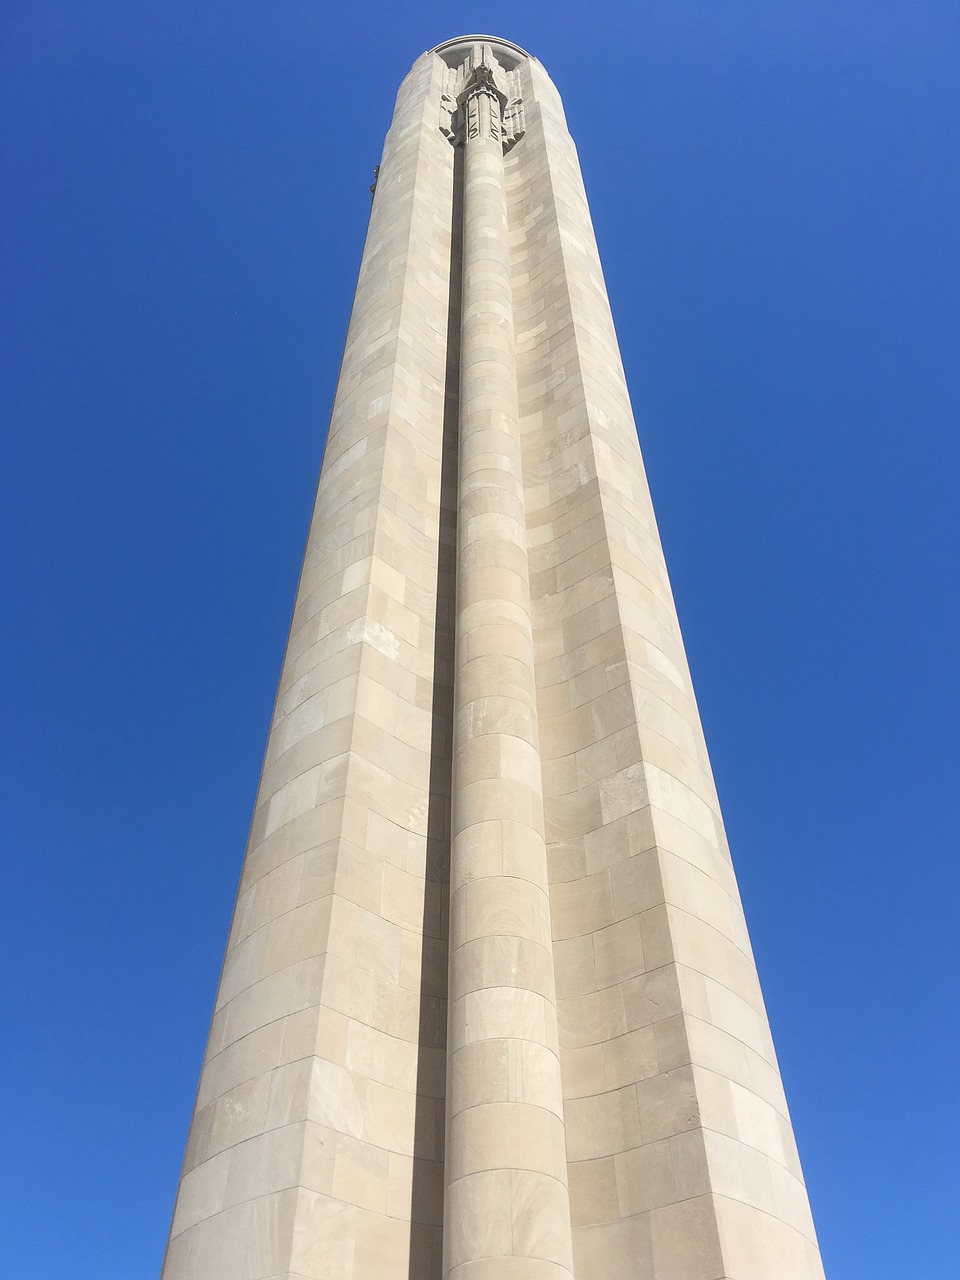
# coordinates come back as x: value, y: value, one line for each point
x: 488, y: 1009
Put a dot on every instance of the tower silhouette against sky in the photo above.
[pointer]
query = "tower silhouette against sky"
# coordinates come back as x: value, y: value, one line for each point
x: 488, y: 1009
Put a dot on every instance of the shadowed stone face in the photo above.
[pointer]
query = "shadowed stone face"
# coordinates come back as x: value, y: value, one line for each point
x: 488, y: 1009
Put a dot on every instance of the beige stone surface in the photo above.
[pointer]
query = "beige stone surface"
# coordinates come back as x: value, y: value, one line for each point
x: 506, y: 1195
x: 488, y: 1009
x: 663, y: 1033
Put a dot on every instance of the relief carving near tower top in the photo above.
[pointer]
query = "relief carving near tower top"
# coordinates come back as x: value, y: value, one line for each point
x: 481, y: 98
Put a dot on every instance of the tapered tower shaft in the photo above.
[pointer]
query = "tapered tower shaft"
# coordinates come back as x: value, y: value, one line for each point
x: 488, y: 1009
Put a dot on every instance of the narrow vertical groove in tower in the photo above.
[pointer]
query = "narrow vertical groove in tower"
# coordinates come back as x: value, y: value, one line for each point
x: 488, y: 1009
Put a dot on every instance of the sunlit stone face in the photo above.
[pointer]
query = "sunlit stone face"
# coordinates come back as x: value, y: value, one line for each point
x: 488, y: 1009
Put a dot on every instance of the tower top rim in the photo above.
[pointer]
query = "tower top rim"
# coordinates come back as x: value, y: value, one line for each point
x: 474, y: 38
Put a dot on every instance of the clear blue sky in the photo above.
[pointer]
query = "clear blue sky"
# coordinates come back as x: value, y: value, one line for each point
x: 775, y: 186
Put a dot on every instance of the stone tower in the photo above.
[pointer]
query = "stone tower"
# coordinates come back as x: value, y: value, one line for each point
x: 488, y: 1009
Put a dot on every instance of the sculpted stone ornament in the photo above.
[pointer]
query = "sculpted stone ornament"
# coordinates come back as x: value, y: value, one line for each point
x: 482, y: 104
x: 482, y: 110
